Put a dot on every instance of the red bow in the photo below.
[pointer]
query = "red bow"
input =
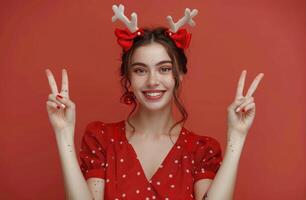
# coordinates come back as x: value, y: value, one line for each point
x: 181, y: 38
x: 125, y: 37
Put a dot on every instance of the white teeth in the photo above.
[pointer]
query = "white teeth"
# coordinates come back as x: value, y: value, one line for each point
x: 153, y: 94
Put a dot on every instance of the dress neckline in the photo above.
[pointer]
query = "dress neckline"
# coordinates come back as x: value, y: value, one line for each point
x: 165, y: 160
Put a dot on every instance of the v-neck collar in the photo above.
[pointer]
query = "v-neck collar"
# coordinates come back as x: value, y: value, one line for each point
x: 164, y: 162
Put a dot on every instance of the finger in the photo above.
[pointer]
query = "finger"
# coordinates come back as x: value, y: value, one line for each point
x: 66, y: 101
x: 244, y: 103
x: 52, y: 98
x: 254, y: 85
x: 239, y: 92
x: 249, y: 106
x: 65, y: 85
x: 51, y: 81
x: 52, y: 105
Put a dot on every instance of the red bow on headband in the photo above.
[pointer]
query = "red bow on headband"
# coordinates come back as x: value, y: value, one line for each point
x: 125, y: 38
x: 181, y: 38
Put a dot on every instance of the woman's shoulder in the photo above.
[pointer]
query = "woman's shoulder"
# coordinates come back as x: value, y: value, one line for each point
x: 201, y: 139
x: 106, y: 129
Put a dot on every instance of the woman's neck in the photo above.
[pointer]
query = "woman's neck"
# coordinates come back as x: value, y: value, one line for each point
x: 153, y: 123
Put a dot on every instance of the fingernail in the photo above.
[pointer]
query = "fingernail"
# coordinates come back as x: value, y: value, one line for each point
x: 59, y: 96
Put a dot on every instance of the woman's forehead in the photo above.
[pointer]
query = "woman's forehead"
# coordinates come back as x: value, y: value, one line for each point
x: 150, y: 54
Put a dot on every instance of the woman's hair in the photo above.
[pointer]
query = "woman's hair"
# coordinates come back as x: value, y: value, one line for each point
x: 177, y: 56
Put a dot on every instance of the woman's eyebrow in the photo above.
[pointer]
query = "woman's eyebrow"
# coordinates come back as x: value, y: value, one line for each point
x: 144, y: 65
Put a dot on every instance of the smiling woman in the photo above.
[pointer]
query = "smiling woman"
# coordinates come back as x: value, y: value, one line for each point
x: 149, y: 155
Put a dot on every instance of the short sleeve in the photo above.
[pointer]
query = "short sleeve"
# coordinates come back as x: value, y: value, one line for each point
x: 92, y: 153
x: 208, y: 158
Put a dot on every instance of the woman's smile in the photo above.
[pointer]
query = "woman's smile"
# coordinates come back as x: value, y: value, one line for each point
x: 153, y: 95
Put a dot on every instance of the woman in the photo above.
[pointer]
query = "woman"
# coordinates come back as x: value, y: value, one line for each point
x: 149, y: 155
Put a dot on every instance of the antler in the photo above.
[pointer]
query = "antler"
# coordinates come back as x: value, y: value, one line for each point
x: 184, y: 20
x: 119, y: 14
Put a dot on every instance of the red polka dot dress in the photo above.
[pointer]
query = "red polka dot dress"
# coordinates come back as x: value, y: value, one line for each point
x: 106, y: 153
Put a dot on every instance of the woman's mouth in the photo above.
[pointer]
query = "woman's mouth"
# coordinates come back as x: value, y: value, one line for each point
x: 154, y: 96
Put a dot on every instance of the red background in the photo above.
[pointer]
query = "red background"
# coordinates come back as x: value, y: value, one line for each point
x: 259, y: 36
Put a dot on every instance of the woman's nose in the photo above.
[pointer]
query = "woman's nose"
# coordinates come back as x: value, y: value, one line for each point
x: 153, y: 79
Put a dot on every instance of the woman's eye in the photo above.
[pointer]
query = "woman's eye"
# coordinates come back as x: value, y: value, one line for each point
x: 166, y: 69
x: 139, y: 70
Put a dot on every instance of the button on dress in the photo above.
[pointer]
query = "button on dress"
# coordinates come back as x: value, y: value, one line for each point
x: 107, y: 154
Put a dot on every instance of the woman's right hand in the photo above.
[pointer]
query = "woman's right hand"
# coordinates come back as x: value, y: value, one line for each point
x: 61, y: 111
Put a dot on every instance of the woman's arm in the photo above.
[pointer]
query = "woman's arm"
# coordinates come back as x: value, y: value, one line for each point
x: 222, y: 187
x: 241, y: 114
x: 75, y: 185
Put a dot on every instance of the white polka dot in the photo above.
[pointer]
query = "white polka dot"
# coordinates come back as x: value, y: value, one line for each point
x: 121, y: 160
x: 191, y: 195
x: 185, y: 156
x: 107, y: 180
x: 123, y: 195
x: 112, y: 140
x: 172, y: 186
x: 153, y: 197
x: 176, y: 161
x: 185, y: 141
x: 192, y: 161
x: 187, y: 170
x: 178, y: 147
x: 121, y: 142
x: 116, y: 199
x: 86, y: 156
x: 92, y: 161
x: 148, y: 188
x: 187, y: 187
x: 102, y: 164
x: 137, y: 191
x: 211, y: 151
x: 150, y: 181
x: 106, y: 165
x: 161, y: 166
x: 138, y: 33
x: 102, y: 131
x: 147, y: 198
x: 100, y: 148
x: 196, y: 172
x: 183, y: 133
x: 124, y: 175
x: 138, y: 173
x: 170, y: 175
x: 198, y: 142
x: 86, y: 171
x: 157, y: 183
x: 166, y: 198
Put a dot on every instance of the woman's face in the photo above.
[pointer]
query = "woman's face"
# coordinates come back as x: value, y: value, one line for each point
x: 151, y: 76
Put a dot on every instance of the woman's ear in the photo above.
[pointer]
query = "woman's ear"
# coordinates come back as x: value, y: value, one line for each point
x: 181, y: 77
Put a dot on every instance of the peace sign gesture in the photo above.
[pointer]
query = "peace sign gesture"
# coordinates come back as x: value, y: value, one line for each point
x: 60, y: 108
x: 241, y: 112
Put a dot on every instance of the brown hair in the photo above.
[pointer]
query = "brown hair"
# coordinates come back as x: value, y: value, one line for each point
x: 177, y: 56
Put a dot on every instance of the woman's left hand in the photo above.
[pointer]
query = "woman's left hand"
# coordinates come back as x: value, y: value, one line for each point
x: 239, y: 122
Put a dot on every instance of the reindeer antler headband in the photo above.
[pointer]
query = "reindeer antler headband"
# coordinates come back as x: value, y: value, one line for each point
x: 126, y: 36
